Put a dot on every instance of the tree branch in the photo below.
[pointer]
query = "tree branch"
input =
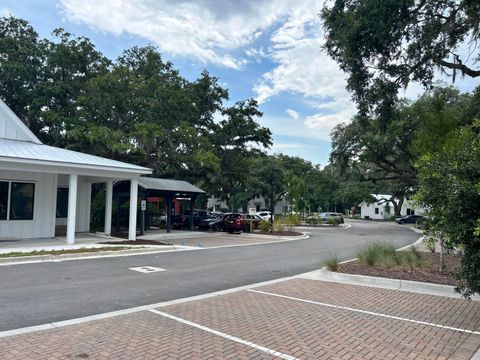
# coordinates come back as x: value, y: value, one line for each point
x: 459, y: 66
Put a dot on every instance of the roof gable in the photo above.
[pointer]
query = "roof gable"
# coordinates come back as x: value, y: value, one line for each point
x: 11, y: 127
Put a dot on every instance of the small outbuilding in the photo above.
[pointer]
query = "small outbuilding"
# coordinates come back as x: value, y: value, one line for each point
x: 42, y: 186
x: 150, y: 189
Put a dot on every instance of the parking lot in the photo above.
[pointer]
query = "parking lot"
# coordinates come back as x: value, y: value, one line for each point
x: 293, y: 319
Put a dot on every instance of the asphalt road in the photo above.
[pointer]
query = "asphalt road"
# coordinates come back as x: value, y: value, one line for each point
x: 34, y: 294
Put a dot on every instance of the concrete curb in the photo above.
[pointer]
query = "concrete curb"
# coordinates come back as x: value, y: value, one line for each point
x: 418, y: 242
x: 385, y: 283
x: 347, y: 226
x: 278, y: 237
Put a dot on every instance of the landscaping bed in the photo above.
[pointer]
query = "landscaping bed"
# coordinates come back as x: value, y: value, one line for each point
x: 426, y: 271
x: 62, y: 252
x: 135, y: 242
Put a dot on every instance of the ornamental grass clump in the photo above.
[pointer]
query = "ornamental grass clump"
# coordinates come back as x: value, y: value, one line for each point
x: 278, y: 226
x: 410, y: 259
x: 291, y: 221
x: 377, y: 253
x: 331, y: 263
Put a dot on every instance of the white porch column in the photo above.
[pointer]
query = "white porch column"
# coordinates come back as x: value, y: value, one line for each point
x: 72, y: 208
x: 108, y: 208
x: 132, y: 226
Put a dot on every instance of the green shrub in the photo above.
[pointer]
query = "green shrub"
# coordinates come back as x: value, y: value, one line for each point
x: 335, y: 221
x: 264, y: 225
x: 312, y: 220
x: 356, y: 217
x: 430, y: 242
x: 331, y: 263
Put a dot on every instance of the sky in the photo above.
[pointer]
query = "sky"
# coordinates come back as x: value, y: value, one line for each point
x: 264, y: 49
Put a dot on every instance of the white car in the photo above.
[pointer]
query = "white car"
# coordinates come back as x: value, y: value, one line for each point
x: 265, y: 215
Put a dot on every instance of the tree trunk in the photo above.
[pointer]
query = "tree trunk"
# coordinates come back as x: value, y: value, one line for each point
x: 441, y: 266
x: 397, y: 207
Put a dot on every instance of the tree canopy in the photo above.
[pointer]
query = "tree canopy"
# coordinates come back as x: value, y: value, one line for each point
x: 137, y: 108
x: 384, y: 45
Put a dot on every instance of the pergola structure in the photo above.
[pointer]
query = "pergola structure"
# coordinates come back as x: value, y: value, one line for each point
x: 155, y: 187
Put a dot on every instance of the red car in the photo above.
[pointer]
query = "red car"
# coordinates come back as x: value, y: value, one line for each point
x: 240, y: 222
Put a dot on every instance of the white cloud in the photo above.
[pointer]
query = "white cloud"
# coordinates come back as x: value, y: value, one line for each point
x: 302, y: 68
x: 5, y: 12
x: 293, y: 114
x: 206, y: 30
x: 287, y: 146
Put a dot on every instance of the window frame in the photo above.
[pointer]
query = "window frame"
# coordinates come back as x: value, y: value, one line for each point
x: 56, y: 202
x: 9, y: 199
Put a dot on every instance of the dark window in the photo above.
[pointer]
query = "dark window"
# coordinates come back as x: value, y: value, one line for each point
x: 62, y: 202
x: 21, y: 201
x: 376, y: 210
x: 3, y: 200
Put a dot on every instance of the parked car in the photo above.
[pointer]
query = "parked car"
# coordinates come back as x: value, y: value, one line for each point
x: 237, y: 222
x: 325, y: 216
x: 178, y: 222
x: 219, y: 223
x: 207, y: 223
x: 411, y: 219
x: 158, y: 219
x: 265, y: 215
x: 198, y: 215
x: 255, y: 219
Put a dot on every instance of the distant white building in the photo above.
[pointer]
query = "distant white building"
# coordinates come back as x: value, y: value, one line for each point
x: 382, y: 209
x: 258, y: 203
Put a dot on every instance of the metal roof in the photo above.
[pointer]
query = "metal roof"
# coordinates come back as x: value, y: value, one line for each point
x: 39, y: 153
x: 179, y: 186
x: 11, y: 127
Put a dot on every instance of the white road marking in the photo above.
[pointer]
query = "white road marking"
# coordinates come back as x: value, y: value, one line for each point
x: 146, y: 269
x: 366, y: 312
x: 226, y: 336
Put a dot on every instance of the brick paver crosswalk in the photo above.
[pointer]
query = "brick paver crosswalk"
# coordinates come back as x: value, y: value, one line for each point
x: 299, y: 325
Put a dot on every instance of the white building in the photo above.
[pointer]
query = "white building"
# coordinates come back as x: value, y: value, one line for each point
x: 383, y: 210
x: 43, y: 186
x: 258, y: 203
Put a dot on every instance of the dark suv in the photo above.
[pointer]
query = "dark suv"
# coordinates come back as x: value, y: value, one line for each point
x: 234, y: 223
x: 215, y: 223
x: 198, y: 215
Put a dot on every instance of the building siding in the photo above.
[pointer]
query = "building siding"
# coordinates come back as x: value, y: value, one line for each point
x: 43, y: 223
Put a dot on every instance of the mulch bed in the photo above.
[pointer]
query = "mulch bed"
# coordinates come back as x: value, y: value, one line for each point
x: 428, y: 273
x: 136, y: 242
